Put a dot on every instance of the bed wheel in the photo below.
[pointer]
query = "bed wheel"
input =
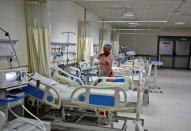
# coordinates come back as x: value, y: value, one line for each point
x: 136, y: 128
x: 146, y: 97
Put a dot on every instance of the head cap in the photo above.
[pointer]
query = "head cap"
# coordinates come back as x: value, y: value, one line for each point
x: 108, y: 45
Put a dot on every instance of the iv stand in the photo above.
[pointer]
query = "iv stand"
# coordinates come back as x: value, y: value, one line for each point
x: 67, y: 44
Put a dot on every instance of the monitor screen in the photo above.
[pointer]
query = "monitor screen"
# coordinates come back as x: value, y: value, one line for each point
x: 11, y: 77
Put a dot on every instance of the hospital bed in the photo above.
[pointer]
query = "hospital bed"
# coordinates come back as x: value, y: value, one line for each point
x: 139, y: 70
x: 134, y: 100
x: 125, y: 82
x: 71, y: 93
x: 66, y: 78
x: 86, y: 97
x: 135, y: 73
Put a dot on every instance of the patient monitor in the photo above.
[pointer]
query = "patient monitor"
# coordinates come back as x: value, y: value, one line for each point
x: 13, y: 77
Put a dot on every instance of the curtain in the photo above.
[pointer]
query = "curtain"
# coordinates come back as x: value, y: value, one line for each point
x: 103, y: 38
x: 115, y: 41
x: 85, y: 40
x: 38, y: 36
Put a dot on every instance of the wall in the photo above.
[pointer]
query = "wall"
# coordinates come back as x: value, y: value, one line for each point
x: 12, y: 19
x: 64, y: 17
x: 147, y: 43
x: 142, y: 44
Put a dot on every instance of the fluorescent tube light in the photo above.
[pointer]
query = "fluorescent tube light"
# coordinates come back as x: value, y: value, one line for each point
x: 144, y: 21
x: 127, y: 14
x: 135, y: 29
x: 179, y: 23
x: 133, y: 23
x: 137, y: 34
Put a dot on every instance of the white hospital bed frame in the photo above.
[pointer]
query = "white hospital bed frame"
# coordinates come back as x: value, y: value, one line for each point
x: 55, y: 103
x: 86, y: 105
x: 118, y: 105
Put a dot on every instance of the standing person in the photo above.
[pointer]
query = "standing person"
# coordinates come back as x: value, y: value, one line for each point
x: 106, y: 60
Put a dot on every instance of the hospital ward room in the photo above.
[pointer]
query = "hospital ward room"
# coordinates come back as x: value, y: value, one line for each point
x: 95, y: 65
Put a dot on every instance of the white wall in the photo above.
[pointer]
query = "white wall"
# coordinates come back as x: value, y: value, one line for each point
x: 147, y: 43
x: 175, y: 33
x: 64, y: 17
x: 142, y: 44
x: 12, y: 19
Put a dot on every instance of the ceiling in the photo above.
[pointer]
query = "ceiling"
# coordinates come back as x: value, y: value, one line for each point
x: 142, y: 10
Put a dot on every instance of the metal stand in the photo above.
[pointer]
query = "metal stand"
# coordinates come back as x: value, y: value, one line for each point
x: 87, y: 76
x: 67, y: 44
x: 155, y: 88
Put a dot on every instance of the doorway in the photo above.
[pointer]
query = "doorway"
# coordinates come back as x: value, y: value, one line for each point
x: 174, y: 51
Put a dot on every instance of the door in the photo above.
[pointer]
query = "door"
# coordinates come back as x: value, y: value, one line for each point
x: 182, y: 51
x: 175, y: 51
x: 165, y: 51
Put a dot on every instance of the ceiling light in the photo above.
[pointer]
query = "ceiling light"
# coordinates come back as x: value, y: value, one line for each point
x: 128, y: 14
x: 145, y: 21
x: 131, y: 26
x: 179, y: 23
x: 135, y: 29
x: 137, y: 34
x: 133, y: 23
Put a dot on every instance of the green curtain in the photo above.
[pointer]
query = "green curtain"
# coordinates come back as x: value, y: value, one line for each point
x: 38, y: 35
